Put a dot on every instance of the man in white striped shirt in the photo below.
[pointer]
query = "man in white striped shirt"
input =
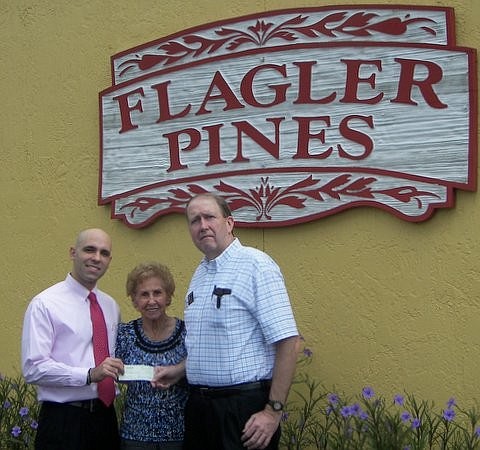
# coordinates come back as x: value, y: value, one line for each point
x: 241, y: 337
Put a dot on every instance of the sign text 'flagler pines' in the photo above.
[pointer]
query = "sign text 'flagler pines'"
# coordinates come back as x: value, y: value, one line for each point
x: 293, y: 115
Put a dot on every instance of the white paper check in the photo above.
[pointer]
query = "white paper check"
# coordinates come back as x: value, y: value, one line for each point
x: 137, y: 373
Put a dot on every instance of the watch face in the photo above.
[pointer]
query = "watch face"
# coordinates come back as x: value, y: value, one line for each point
x: 276, y: 406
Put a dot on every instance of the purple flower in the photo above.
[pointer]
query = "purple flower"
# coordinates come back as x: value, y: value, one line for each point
x: 355, y: 409
x: 416, y: 423
x: 307, y: 352
x: 363, y: 415
x: 6, y: 404
x: 405, y: 416
x: 451, y: 403
x: 368, y: 392
x: 34, y: 423
x: 333, y: 399
x: 448, y: 414
x: 23, y: 411
x: 16, y: 430
x: 346, y: 411
x: 398, y: 400
x: 477, y: 431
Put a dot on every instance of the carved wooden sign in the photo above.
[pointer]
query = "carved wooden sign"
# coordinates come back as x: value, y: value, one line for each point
x: 293, y: 115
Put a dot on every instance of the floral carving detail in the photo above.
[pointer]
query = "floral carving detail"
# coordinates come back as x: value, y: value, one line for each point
x: 179, y: 200
x: 265, y: 197
x: 359, y: 24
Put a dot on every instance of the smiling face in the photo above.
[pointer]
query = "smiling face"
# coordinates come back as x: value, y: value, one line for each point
x: 91, y: 257
x: 151, y: 299
x: 211, y: 231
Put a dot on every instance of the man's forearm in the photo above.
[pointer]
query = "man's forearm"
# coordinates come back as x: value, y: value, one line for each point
x: 284, y: 368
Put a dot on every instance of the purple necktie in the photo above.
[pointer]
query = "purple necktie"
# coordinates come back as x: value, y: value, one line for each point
x: 106, y: 388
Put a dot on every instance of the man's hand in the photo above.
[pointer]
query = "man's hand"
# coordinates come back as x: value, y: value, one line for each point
x: 109, y: 367
x: 166, y: 376
x: 259, y: 429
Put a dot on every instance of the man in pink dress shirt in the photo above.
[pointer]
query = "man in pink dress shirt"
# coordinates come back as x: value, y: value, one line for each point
x: 57, y: 353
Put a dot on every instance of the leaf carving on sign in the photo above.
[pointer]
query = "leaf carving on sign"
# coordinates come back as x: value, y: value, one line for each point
x: 360, y: 24
x: 265, y: 197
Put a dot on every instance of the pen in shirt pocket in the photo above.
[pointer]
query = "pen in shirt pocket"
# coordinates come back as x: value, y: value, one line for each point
x: 219, y: 293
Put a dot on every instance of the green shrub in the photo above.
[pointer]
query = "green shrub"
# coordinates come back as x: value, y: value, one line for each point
x: 318, y: 418
x: 18, y: 413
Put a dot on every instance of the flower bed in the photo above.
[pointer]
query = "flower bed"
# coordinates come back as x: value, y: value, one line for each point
x: 315, y: 418
x: 318, y: 418
x: 18, y: 413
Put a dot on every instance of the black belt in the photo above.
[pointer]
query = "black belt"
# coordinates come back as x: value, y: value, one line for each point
x: 92, y: 405
x: 225, y: 391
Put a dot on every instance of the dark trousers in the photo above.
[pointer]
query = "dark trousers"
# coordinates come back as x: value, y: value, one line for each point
x: 65, y: 427
x: 216, y: 423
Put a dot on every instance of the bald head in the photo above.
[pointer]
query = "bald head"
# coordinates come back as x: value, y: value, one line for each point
x: 84, y: 235
x: 91, y: 256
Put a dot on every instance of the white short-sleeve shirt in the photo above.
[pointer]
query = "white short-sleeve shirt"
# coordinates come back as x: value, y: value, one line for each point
x: 232, y: 340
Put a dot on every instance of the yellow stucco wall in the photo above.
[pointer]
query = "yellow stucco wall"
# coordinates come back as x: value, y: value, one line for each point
x: 380, y: 301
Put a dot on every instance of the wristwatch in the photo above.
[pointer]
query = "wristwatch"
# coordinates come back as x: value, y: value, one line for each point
x: 276, y: 405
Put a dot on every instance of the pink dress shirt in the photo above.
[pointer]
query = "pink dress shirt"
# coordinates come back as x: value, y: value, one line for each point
x: 57, y: 346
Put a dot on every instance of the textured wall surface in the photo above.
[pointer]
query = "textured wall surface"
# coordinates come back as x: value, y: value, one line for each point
x: 380, y: 301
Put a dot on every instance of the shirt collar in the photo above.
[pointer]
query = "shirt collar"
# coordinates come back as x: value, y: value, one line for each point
x: 224, y: 257
x: 77, y: 287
